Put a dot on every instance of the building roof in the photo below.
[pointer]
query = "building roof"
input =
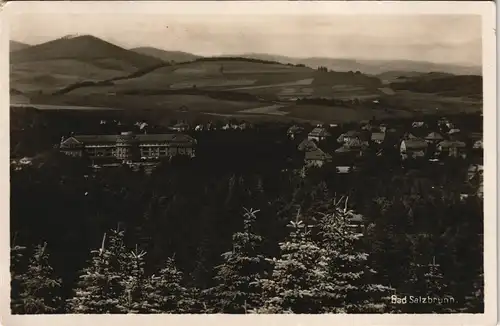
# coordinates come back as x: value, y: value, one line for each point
x: 356, y: 218
x: 307, y: 144
x: 476, y: 135
x: 319, y: 132
x: 165, y: 138
x: 295, y: 129
x: 352, y: 133
x: 475, y: 168
x: 478, y: 144
x: 343, y: 168
x: 434, y: 136
x: 378, y: 136
x: 449, y: 144
x: 409, y: 135
x: 418, y: 124
x: 345, y: 149
x: 355, y: 143
x: 110, y: 139
x: 317, y: 154
x: 415, y: 143
x: 94, y: 139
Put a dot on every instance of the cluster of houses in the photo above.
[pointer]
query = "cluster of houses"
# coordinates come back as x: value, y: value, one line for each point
x: 144, y: 128
x: 347, y: 150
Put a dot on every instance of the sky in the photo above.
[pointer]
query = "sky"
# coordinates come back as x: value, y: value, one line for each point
x: 434, y: 38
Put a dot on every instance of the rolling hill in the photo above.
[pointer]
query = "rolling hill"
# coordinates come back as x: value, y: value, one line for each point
x: 58, y: 63
x: 239, y: 75
x: 168, y: 56
x: 85, y: 48
x: 16, y: 46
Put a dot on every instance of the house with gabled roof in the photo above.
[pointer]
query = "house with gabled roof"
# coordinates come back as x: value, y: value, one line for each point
x: 418, y: 124
x: 347, y: 155
x: 180, y: 127
x: 307, y: 145
x: 445, y: 123
x: 359, y: 135
x: 378, y: 137
x: 434, y: 137
x: 476, y: 136
x: 383, y: 127
x: 409, y: 135
x: 413, y: 148
x: 453, y: 148
x: 294, y: 131
x: 474, y: 170
x: 317, y: 158
x: 318, y: 134
x: 478, y: 144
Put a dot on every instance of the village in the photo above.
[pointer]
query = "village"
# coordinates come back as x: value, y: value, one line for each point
x: 347, y: 148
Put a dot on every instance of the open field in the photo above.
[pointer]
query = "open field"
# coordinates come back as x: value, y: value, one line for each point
x: 271, y: 109
x: 194, y: 103
x: 301, y: 82
x: 51, y: 75
x: 62, y: 107
x: 205, y: 83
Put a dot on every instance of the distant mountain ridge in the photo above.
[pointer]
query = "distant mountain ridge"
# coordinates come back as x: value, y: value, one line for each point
x: 168, y: 56
x: 372, y: 67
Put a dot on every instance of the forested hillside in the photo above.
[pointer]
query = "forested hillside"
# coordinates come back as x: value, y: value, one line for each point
x: 200, y: 236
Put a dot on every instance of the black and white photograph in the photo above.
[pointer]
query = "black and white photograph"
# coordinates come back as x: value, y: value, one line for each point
x: 198, y: 160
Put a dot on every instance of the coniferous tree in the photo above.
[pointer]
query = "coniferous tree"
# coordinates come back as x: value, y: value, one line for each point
x: 38, y: 286
x: 237, y: 289
x: 17, y: 269
x: 298, y: 280
x: 101, y: 289
x: 355, y: 289
x: 436, y: 290
x: 134, y: 298
x: 167, y: 293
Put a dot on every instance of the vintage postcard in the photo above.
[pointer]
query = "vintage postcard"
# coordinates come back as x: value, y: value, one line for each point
x: 304, y: 163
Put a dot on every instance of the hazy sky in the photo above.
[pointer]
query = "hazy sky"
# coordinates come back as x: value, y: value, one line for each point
x: 435, y: 38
